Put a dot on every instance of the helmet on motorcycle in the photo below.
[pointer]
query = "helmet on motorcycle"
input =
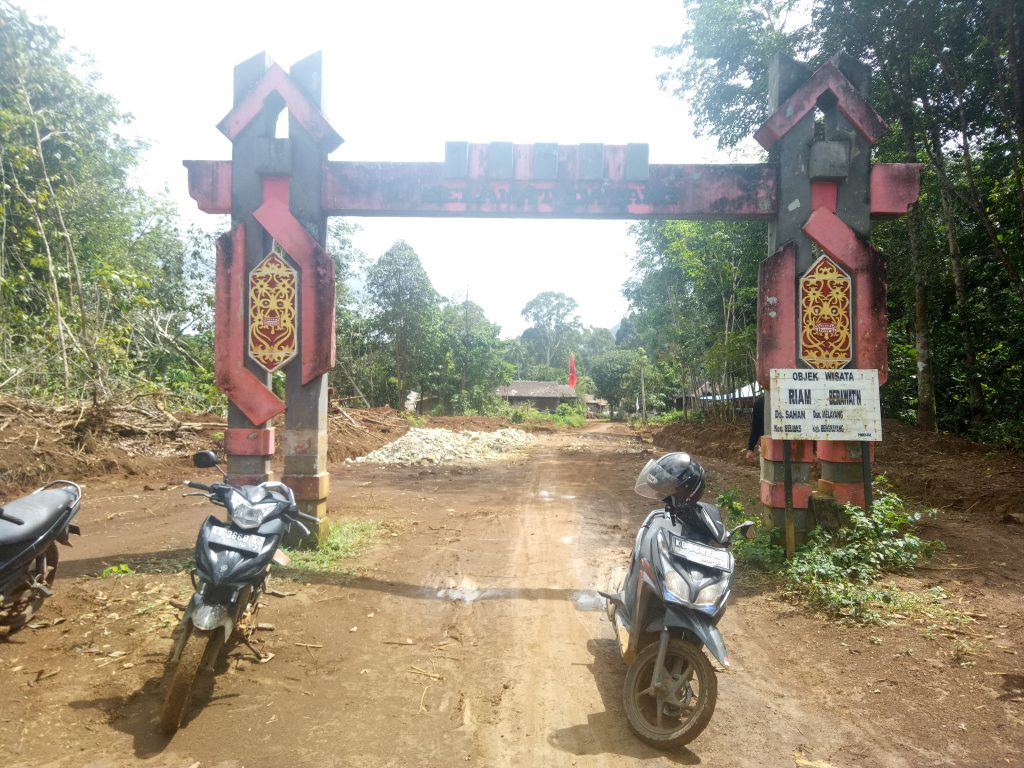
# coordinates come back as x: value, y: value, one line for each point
x: 674, y: 478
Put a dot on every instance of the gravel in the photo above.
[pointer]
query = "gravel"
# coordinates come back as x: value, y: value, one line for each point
x: 442, y: 446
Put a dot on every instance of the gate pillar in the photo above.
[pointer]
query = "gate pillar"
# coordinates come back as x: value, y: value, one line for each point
x: 275, y: 282
x: 822, y: 291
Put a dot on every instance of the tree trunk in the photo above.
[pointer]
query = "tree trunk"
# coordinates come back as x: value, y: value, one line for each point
x: 976, y: 397
x: 922, y: 345
x: 973, y: 195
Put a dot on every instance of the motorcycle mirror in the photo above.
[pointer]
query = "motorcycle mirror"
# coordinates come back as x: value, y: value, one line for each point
x: 749, y: 530
x: 204, y: 459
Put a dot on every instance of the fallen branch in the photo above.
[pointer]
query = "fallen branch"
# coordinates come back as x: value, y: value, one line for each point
x: 424, y: 672
x: 423, y: 697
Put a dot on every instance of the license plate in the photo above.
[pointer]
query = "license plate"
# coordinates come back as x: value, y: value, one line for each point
x: 702, y: 554
x: 246, y: 542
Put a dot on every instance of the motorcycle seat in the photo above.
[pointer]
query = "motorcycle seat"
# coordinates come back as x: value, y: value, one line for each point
x: 39, y: 511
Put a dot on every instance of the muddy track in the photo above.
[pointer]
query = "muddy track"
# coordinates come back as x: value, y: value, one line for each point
x: 473, y: 636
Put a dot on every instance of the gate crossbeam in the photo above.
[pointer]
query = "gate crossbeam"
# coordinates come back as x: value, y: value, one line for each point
x: 741, y: 191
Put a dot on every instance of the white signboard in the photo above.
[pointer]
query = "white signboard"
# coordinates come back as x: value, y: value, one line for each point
x: 810, y: 404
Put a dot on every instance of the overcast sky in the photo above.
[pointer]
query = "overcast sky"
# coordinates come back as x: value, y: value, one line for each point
x: 400, y: 79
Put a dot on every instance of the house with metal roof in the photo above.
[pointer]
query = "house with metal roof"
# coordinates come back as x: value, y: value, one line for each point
x: 541, y: 395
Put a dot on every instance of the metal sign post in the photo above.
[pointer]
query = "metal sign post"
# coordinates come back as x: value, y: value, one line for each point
x: 865, y: 464
x: 787, y: 458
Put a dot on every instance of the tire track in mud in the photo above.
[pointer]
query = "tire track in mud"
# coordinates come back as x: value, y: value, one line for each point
x: 554, y: 677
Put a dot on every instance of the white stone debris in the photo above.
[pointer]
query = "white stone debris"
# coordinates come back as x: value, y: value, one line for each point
x: 442, y: 446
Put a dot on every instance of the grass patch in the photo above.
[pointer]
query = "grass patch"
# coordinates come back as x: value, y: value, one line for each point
x: 565, y: 415
x: 343, y: 542
x: 672, y: 417
x: 171, y: 564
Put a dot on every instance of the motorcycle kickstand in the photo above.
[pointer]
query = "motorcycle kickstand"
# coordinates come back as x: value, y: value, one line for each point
x: 260, y: 656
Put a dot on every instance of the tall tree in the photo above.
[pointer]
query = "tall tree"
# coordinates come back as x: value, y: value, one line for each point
x: 693, y: 295
x: 93, y: 273
x: 723, y: 56
x: 555, y: 325
x: 404, y: 307
x: 471, y: 349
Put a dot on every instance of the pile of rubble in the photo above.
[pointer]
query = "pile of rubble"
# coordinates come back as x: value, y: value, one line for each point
x: 442, y: 446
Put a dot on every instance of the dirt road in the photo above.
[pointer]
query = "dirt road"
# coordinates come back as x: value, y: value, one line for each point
x: 471, y: 636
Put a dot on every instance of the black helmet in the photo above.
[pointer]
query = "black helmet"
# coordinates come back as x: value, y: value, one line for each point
x: 675, y: 478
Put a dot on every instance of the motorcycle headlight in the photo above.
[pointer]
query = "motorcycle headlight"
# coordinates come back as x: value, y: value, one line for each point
x: 676, y: 586
x: 711, y: 594
x: 245, y: 514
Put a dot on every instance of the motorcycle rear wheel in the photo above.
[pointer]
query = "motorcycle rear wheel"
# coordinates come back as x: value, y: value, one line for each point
x: 200, y: 651
x: 653, y: 715
x: 30, y: 601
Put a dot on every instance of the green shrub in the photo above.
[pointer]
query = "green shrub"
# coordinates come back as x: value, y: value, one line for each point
x: 413, y: 419
x: 836, y: 571
x: 569, y: 416
x: 121, y: 569
x: 760, y: 553
x: 671, y: 417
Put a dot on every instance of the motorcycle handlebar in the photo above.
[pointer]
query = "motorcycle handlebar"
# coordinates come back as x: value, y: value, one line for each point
x: 200, y: 486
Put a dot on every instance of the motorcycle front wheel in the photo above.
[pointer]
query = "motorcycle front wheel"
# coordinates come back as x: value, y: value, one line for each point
x: 200, y: 651
x: 678, y: 712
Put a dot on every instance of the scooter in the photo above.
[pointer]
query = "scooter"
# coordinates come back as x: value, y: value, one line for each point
x: 232, y: 563
x: 30, y: 528
x: 665, y: 610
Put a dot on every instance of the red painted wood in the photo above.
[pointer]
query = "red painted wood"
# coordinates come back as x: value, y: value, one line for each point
x: 209, y: 184
x: 276, y: 188
x: 672, y: 192
x: 774, y: 495
x: 866, y: 267
x: 801, y: 451
x: 850, y: 103
x: 776, y: 313
x: 299, y: 107
x: 308, y: 487
x: 353, y: 189
x: 316, y: 280
x: 838, y: 451
x: 824, y: 194
x: 894, y: 188
x: 249, y: 442
x: 240, y: 384
x: 844, y: 493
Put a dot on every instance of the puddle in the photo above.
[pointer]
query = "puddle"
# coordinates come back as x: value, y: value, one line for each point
x: 468, y: 593
x: 587, y: 600
x: 460, y: 595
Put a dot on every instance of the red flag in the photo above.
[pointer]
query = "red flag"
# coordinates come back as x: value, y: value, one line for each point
x: 572, y: 370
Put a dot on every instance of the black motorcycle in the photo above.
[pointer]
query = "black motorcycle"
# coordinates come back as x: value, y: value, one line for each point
x: 233, y: 559
x: 30, y: 528
x: 666, y: 608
